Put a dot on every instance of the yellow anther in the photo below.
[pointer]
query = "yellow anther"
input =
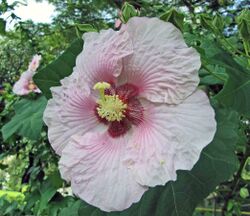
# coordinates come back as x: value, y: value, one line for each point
x: 111, y: 107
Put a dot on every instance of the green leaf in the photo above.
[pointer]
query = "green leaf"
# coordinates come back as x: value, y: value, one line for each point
x: 11, y: 208
x: 212, y: 75
x: 12, y: 196
x: 175, y: 17
x: 47, y: 191
x: 59, y: 203
x: 207, y: 22
x: 243, y: 21
x: 55, y: 179
x: 31, y: 199
x: 244, y: 193
x: 235, y: 93
x: 86, y: 209
x: 216, y: 164
x: 245, y: 174
x: 128, y: 11
x: 86, y: 28
x: 218, y: 22
x: 2, y: 26
x: 27, y: 120
x: 82, y: 28
x: 58, y: 69
x: 210, y: 80
x: 71, y: 210
x: 214, y: 24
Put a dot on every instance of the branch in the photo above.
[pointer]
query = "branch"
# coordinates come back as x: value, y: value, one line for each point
x: 235, y: 182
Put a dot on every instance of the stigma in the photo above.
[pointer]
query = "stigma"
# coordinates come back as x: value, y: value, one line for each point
x: 110, y: 107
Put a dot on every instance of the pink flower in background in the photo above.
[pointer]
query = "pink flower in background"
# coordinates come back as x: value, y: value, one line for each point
x: 34, y: 64
x: 118, y: 23
x: 130, y: 115
x: 25, y: 84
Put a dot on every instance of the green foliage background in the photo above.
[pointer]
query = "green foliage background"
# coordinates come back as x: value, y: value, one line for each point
x: 30, y: 183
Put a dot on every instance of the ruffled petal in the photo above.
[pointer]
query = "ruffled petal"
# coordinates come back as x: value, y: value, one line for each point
x: 162, y: 66
x: 21, y: 86
x: 101, y: 58
x: 71, y: 111
x: 93, y: 164
x: 170, y: 138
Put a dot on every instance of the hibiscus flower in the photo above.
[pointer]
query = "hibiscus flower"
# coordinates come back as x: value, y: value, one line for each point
x: 130, y: 115
x: 25, y: 84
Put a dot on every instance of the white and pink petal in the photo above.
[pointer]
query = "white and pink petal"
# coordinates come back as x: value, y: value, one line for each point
x: 102, y: 55
x: 71, y: 111
x: 162, y: 66
x: 94, y: 166
x: 171, y: 138
x: 34, y: 64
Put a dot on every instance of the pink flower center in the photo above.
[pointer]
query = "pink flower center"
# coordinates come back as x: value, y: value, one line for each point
x: 133, y: 111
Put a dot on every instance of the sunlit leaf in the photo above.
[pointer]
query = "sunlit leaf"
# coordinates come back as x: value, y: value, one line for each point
x: 243, y: 21
x: 244, y: 193
x: 82, y: 28
x: 128, y: 11
x: 27, y: 120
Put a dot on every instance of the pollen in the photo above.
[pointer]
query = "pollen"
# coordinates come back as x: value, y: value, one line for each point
x: 110, y: 107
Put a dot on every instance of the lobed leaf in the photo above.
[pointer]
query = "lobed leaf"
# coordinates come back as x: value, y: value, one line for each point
x: 235, y: 93
x: 127, y: 12
x: 27, y: 120
x: 175, y: 17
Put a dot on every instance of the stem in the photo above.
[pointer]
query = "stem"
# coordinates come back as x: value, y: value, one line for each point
x: 246, y: 51
x: 235, y: 182
x: 234, y: 50
x: 245, y: 48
